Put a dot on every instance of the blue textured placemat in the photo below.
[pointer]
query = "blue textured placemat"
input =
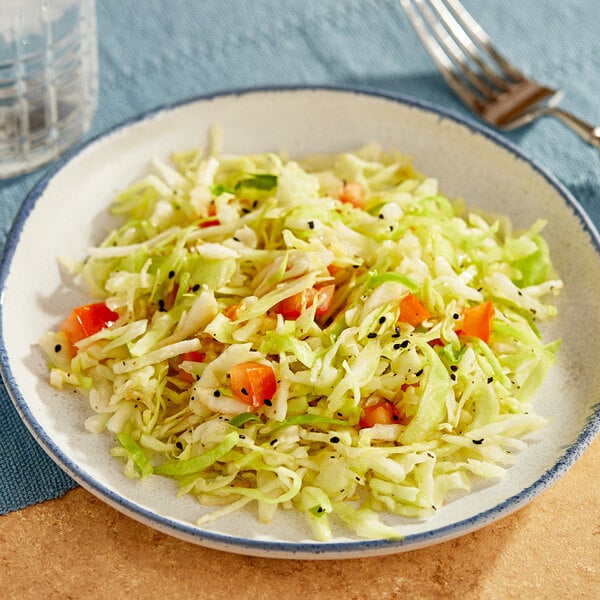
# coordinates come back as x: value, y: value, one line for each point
x: 157, y: 52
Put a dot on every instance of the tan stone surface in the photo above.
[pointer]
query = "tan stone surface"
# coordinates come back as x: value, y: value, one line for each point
x: 78, y: 547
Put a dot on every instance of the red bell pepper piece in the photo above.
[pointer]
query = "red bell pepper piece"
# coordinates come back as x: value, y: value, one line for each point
x: 86, y: 320
x: 291, y: 308
x: 192, y: 356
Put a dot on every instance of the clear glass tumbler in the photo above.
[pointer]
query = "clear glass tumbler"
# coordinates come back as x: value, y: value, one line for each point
x: 48, y: 79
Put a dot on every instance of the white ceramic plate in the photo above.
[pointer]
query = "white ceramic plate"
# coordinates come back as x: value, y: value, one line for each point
x: 66, y: 213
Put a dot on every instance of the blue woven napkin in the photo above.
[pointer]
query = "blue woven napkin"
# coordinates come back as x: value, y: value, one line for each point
x: 193, y: 48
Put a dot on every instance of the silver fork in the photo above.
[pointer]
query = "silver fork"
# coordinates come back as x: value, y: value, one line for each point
x: 483, y: 79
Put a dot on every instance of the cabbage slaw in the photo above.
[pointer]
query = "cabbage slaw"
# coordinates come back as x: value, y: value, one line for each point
x: 210, y: 249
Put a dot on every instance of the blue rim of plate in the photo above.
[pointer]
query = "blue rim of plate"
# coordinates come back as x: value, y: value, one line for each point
x: 331, y: 550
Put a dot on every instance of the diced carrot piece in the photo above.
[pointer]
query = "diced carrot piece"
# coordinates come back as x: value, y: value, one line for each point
x: 412, y: 311
x: 231, y: 312
x: 478, y: 321
x: 382, y: 413
x: 334, y: 270
x: 353, y: 193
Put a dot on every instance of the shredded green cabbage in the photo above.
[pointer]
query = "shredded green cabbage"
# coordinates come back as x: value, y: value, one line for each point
x: 211, y: 248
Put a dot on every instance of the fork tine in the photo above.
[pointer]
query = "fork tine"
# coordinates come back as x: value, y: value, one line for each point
x: 475, y: 31
x: 467, y: 38
x: 440, y: 58
x: 455, y: 53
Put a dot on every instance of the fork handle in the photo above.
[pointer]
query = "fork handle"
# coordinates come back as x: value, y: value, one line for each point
x: 586, y: 131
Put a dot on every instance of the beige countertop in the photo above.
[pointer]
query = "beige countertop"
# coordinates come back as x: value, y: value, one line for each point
x: 78, y: 547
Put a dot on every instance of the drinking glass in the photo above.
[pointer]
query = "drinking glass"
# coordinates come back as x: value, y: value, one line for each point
x: 48, y: 79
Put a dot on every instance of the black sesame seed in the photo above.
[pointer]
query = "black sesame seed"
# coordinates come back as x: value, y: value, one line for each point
x: 255, y: 204
x: 268, y: 402
x: 273, y: 442
x: 196, y: 287
x: 453, y: 376
x: 455, y: 316
x: 381, y: 320
x: 179, y: 445
x: 404, y: 344
x: 57, y: 348
x: 371, y: 335
x: 334, y: 439
x: 490, y: 379
x: 453, y: 367
x: 397, y: 346
x: 311, y: 224
x: 216, y: 393
x: 478, y: 442
x: 171, y: 274
x: 381, y: 216
x: 244, y: 391
x: 419, y: 373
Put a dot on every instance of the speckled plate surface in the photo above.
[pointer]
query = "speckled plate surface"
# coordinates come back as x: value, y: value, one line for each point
x: 66, y: 213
